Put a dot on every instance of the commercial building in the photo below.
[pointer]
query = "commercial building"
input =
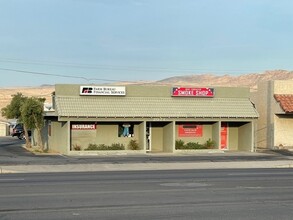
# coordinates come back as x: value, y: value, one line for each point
x: 274, y: 101
x: 155, y: 117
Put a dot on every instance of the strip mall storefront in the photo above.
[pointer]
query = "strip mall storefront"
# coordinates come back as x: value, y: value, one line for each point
x: 151, y: 118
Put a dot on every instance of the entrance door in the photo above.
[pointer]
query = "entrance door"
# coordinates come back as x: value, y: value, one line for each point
x: 224, y: 136
x: 157, y: 138
x: 154, y: 136
x: 148, y: 136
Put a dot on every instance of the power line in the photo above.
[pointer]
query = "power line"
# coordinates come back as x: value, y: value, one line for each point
x: 90, y: 66
x: 121, y: 68
x: 60, y: 75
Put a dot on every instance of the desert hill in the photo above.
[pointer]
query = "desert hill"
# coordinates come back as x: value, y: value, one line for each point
x: 245, y: 80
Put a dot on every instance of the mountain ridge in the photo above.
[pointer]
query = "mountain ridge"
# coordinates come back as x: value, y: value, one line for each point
x: 245, y: 80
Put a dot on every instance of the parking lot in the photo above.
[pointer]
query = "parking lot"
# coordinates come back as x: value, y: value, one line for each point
x: 12, y: 153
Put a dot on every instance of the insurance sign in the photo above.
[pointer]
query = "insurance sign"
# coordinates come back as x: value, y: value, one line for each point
x: 83, y: 127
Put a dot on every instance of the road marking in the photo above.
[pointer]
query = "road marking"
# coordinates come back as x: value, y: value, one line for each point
x: 257, y: 174
x: 53, y: 194
x: 11, y: 179
x: 191, y: 184
x: 250, y: 187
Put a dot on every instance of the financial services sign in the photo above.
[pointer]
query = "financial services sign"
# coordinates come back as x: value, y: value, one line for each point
x: 193, y: 92
x: 103, y: 90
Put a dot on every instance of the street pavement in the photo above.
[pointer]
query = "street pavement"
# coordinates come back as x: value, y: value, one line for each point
x: 262, y: 194
x: 15, y: 159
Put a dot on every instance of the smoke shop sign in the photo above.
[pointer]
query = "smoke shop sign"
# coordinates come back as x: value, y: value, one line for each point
x: 103, y: 90
x: 193, y: 92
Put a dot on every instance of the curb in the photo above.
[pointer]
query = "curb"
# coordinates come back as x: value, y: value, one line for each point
x: 102, y: 167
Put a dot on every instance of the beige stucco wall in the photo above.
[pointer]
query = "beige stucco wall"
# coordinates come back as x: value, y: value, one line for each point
x: 233, y: 138
x: 216, y: 128
x: 246, y: 137
x: 157, y: 139
x: 169, y: 137
x: 108, y: 134
x: 3, y: 129
x: 59, y: 139
x: 263, y: 104
x: 142, y: 136
x: 83, y: 138
x: 154, y: 91
x: 283, y: 86
x: 283, y: 132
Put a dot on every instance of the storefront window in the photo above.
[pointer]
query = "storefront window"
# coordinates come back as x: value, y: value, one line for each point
x: 125, y: 130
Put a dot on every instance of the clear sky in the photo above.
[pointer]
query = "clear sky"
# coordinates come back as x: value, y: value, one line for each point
x: 43, y: 40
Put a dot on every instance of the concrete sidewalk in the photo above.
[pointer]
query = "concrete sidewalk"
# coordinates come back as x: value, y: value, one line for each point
x: 145, y: 166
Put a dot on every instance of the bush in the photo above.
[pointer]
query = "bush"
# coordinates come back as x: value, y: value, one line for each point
x: 115, y: 146
x: 76, y: 147
x: 179, y: 144
x: 193, y: 146
x: 92, y: 147
x: 209, y: 144
x: 133, y: 145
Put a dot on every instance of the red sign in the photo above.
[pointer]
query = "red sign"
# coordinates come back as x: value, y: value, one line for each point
x: 83, y: 127
x: 190, y: 130
x: 224, y: 136
x: 193, y: 92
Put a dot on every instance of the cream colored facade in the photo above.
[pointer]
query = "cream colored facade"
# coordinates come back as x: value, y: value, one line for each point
x: 155, y: 118
x: 4, y: 128
x: 274, y: 126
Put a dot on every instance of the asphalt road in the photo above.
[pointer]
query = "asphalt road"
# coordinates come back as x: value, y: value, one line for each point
x: 143, y: 195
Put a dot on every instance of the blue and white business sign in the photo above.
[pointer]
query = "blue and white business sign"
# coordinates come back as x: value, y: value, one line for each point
x: 103, y: 90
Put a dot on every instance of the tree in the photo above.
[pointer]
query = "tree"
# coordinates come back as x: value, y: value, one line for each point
x: 32, y: 114
x: 13, y: 111
x: 28, y: 111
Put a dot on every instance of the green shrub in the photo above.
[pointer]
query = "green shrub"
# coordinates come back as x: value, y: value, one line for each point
x: 115, y: 146
x: 209, y: 144
x: 76, y: 147
x: 179, y: 144
x: 133, y: 145
x: 102, y: 147
x: 193, y: 146
x: 92, y: 147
